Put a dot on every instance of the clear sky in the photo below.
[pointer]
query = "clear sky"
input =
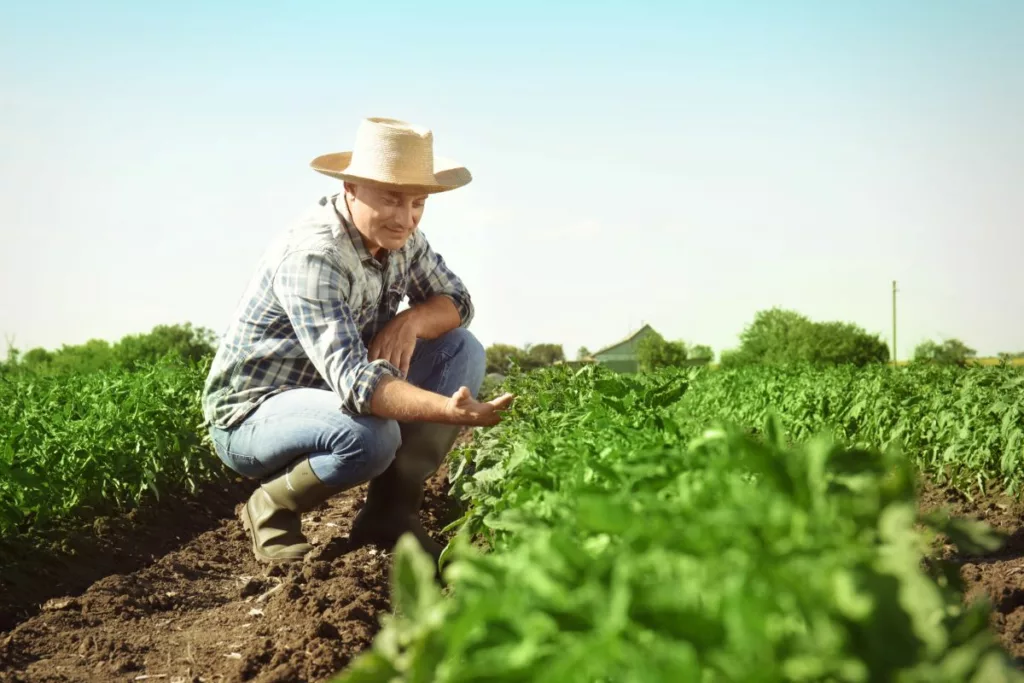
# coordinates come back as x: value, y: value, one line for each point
x: 684, y: 164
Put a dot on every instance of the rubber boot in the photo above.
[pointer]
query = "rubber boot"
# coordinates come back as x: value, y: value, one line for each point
x: 394, y: 499
x: 272, y: 515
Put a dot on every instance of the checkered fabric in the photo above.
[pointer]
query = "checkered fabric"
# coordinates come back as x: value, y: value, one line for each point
x: 315, y: 302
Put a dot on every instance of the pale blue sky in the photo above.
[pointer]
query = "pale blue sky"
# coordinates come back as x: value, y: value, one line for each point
x: 684, y: 164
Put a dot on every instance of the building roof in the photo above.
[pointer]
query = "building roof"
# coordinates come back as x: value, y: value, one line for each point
x: 645, y: 328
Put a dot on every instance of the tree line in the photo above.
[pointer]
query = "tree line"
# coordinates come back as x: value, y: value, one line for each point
x: 783, y: 336
x: 183, y: 342
x: 779, y: 335
x: 500, y: 357
x: 775, y: 335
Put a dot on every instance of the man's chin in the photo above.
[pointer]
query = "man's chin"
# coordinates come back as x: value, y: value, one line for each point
x: 392, y: 242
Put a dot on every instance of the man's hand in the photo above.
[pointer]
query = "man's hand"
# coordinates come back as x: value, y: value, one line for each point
x: 395, y: 342
x: 463, y: 409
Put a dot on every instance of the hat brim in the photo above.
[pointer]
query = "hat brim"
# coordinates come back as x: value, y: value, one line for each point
x: 448, y: 174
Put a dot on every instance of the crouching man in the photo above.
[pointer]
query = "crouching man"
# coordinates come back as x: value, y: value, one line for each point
x: 320, y: 384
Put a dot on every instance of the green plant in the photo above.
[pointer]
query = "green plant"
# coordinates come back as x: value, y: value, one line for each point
x: 964, y: 427
x: 99, y: 441
x: 612, y: 535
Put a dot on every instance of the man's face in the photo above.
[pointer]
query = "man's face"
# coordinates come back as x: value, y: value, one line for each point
x: 385, y: 219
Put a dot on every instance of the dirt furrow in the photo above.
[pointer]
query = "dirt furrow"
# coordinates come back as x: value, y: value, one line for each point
x: 997, y: 576
x: 208, y: 611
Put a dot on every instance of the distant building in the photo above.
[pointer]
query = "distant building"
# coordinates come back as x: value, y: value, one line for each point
x: 622, y: 355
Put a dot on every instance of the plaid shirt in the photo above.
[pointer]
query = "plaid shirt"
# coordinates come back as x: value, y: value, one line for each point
x: 316, y: 301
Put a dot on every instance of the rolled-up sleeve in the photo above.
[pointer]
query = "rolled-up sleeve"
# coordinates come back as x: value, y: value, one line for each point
x: 430, y: 276
x: 311, y: 287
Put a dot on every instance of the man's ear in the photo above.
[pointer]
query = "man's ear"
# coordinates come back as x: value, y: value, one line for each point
x: 350, y: 188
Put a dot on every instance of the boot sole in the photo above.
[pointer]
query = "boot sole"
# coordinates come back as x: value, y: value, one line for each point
x: 260, y: 555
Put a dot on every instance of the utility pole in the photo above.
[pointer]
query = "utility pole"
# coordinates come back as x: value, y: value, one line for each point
x: 894, y: 323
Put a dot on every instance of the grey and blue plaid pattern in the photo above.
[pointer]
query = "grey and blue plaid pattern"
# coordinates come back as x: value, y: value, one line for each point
x: 316, y: 301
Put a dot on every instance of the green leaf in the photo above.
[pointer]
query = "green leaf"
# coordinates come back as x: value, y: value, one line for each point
x: 368, y: 667
x: 413, y: 585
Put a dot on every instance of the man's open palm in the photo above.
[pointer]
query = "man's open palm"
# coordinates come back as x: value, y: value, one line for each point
x: 463, y: 409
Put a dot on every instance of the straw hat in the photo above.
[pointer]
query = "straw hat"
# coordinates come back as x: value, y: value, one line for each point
x: 394, y: 154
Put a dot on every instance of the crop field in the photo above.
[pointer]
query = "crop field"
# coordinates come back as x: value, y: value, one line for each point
x: 757, y: 524
x: 103, y: 440
x: 1018, y: 362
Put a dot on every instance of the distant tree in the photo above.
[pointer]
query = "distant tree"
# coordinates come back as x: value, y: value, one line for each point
x: 37, y: 358
x: 184, y: 342
x: 949, y: 352
x: 783, y: 336
x: 583, y: 352
x: 499, y: 357
x: 543, y: 355
x: 776, y: 335
x: 731, y: 358
x: 837, y: 343
x: 654, y: 351
x: 92, y: 356
x: 702, y: 351
x: 529, y: 357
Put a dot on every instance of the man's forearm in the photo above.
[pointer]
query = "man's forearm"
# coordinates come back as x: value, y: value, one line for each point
x: 434, y: 317
x: 399, y: 400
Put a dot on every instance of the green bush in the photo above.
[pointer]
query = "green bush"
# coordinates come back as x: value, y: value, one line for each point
x: 180, y: 342
x: 779, y: 336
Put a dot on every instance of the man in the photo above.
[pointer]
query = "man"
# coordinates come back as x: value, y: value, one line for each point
x: 320, y: 384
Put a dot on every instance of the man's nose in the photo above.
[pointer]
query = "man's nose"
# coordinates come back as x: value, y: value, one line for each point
x: 404, y: 215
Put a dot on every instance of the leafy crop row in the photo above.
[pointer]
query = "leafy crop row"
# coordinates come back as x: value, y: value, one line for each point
x: 962, y: 426
x: 98, y: 441
x: 622, y: 544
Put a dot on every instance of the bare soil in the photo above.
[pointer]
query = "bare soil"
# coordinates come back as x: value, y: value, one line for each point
x: 997, y: 576
x: 174, y: 595
x: 202, y: 608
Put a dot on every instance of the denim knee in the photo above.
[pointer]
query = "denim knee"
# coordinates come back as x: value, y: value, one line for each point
x: 469, y: 346
x: 353, y: 461
x: 469, y: 355
x: 381, y: 445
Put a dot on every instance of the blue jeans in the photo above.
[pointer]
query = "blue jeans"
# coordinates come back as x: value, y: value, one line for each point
x: 344, y: 450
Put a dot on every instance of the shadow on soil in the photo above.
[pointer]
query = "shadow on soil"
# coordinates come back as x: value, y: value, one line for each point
x: 67, y: 560
x: 1013, y: 549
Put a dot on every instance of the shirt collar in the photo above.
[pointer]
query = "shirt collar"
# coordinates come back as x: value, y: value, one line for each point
x: 346, y: 229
